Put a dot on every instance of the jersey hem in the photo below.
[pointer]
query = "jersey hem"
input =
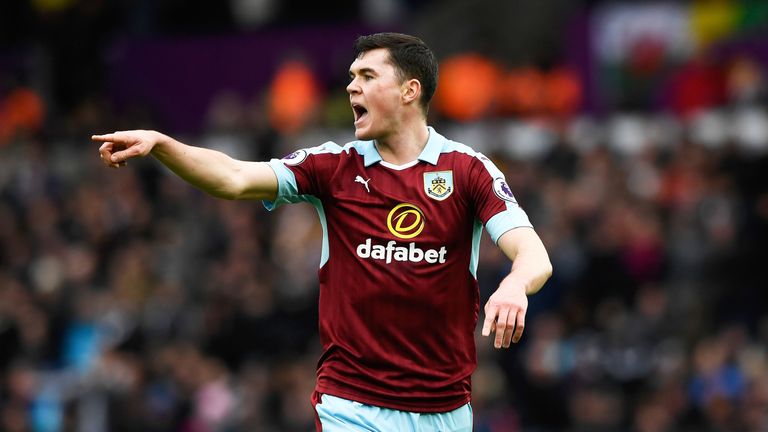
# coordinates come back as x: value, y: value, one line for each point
x: 390, y: 404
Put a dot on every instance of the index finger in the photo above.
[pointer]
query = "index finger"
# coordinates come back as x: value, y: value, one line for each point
x: 102, y: 138
x: 113, y: 137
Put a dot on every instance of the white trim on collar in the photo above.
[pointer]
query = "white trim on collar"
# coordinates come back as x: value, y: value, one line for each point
x: 398, y: 167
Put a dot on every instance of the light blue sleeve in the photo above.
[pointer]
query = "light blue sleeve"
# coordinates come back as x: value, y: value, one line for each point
x: 287, y: 191
x: 511, y: 218
x: 287, y: 188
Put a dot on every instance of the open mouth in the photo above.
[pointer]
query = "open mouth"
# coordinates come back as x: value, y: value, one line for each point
x: 359, y: 111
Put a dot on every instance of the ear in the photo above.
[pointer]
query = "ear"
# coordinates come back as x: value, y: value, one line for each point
x: 411, y: 90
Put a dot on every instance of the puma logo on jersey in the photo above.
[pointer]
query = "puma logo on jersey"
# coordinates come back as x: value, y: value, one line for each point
x: 359, y: 179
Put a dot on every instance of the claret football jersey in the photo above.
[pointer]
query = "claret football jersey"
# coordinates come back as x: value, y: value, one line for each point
x: 399, y: 299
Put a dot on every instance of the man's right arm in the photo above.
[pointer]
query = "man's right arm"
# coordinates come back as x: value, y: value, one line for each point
x: 209, y: 170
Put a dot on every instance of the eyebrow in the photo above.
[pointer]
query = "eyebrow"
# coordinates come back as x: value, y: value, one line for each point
x: 362, y: 71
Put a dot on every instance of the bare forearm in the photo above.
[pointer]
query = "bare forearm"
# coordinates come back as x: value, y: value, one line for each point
x: 530, y: 262
x: 212, y: 171
x: 209, y: 170
x: 506, y: 308
x: 530, y: 272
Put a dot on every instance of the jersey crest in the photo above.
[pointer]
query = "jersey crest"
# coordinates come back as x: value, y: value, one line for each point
x: 438, y: 185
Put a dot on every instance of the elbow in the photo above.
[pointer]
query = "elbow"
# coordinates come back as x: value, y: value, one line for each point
x: 230, y: 193
x: 547, y: 270
x: 232, y: 188
x: 228, y: 197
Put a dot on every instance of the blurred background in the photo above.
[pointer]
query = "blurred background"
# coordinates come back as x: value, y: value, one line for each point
x: 635, y: 134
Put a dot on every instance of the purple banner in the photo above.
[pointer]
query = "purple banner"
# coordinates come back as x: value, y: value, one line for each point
x: 178, y: 78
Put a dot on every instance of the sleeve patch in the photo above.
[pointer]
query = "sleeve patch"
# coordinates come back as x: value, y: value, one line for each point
x: 295, y: 158
x: 502, y: 190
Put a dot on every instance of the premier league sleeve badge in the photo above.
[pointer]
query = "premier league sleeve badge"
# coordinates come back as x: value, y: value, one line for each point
x: 502, y: 190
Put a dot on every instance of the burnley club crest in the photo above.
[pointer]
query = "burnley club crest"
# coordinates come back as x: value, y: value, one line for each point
x: 438, y: 185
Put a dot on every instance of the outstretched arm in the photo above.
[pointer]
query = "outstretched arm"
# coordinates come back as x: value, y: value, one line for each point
x: 211, y: 171
x: 506, y: 308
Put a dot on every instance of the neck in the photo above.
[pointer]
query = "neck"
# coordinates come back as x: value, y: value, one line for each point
x: 404, y: 145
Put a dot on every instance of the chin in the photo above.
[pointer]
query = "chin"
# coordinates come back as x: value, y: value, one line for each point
x: 363, y: 134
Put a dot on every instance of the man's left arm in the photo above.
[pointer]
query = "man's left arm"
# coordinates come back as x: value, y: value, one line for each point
x: 506, y: 308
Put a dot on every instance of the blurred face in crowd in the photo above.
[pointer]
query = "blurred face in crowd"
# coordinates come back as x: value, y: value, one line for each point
x: 376, y: 95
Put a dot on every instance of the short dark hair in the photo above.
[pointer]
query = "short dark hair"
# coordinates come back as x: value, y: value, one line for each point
x: 410, y: 56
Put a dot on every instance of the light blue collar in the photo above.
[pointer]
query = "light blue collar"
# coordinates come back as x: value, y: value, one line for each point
x: 429, y: 154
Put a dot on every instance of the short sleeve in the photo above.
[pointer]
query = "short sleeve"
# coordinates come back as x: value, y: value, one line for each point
x: 300, y: 175
x: 495, y: 204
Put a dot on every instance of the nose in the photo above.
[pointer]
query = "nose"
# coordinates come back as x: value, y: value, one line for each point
x: 352, y: 87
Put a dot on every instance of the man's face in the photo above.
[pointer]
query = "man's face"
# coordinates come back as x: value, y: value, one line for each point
x: 375, y: 94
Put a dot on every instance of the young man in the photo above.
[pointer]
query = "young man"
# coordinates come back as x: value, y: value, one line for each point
x: 402, y: 210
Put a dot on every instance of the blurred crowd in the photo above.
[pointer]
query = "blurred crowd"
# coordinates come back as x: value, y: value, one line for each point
x: 130, y: 301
